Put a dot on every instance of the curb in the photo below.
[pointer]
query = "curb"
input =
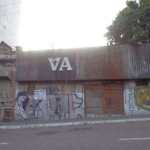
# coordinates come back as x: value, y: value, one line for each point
x: 72, y: 123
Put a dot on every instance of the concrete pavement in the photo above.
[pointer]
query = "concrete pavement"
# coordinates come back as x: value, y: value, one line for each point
x: 107, y: 119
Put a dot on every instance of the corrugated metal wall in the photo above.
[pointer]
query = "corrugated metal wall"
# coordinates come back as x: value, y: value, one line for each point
x: 96, y: 63
x: 34, y: 66
x: 104, y: 99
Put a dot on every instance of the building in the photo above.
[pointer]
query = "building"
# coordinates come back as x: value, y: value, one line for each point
x: 7, y: 82
x: 10, y: 11
x: 83, y: 82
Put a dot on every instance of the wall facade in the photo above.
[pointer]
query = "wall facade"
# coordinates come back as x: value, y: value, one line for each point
x: 120, y: 62
x: 63, y: 101
x: 83, y: 82
x: 7, y: 83
x: 136, y: 99
x: 103, y: 98
x: 66, y: 100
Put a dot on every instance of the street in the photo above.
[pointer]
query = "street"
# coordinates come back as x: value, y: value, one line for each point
x: 121, y: 136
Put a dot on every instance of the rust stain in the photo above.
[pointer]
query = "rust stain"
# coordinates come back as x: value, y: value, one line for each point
x: 95, y: 63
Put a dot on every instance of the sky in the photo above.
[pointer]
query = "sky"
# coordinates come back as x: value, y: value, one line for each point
x: 48, y: 24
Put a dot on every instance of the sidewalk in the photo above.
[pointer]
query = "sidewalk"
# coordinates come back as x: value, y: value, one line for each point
x: 86, y: 121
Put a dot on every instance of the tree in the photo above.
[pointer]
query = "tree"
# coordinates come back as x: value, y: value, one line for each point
x: 131, y: 25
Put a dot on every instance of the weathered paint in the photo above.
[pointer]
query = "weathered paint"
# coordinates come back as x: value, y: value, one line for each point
x: 63, y: 101
x: 95, y: 63
x: 7, y: 82
x: 66, y: 106
x: 136, y: 99
x: 103, y: 98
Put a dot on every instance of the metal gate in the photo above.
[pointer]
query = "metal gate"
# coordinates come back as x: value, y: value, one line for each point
x: 104, y: 99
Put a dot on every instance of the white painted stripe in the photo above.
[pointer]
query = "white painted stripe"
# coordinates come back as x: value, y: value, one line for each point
x: 129, y: 139
x: 3, y: 143
x: 72, y: 123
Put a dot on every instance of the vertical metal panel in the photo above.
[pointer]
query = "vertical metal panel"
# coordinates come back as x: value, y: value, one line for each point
x: 104, y: 99
x: 95, y: 63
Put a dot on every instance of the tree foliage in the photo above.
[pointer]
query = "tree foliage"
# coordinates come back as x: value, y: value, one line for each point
x: 131, y: 25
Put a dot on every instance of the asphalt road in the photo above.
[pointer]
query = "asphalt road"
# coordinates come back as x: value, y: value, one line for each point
x: 123, y: 136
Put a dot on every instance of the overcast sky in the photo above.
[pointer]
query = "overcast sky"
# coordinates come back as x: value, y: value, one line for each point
x: 49, y: 24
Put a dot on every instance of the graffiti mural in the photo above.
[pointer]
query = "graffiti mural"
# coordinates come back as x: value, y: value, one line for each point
x: 35, y: 109
x: 142, y: 98
x: 137, y: 100
x: 65, y: 106
x: 61, y: 101
x: 57, y: 106
x: 21, y: 103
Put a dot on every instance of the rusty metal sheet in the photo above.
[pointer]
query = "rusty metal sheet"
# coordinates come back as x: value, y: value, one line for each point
x: 95, y: 63
x: 104, y: 99
x: 36, y: 66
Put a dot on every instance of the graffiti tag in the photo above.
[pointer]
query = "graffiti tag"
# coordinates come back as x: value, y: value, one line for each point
x: 51, y: 90
x: 131, y: 100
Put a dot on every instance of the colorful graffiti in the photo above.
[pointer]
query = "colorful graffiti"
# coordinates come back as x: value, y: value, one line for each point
x: 21, y: 103
x: 142, y: 98
x: 54, y: 107
x: 137, y: 100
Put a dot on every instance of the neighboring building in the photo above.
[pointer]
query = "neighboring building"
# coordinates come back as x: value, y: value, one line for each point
x: 10, y: 11
x: 83, y: 82
x: 7, y: 82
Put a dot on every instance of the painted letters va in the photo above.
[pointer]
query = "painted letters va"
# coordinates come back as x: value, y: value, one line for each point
x: 54, y: 63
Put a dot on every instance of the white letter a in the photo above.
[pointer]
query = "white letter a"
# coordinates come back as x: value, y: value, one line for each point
x: 66, y: 64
